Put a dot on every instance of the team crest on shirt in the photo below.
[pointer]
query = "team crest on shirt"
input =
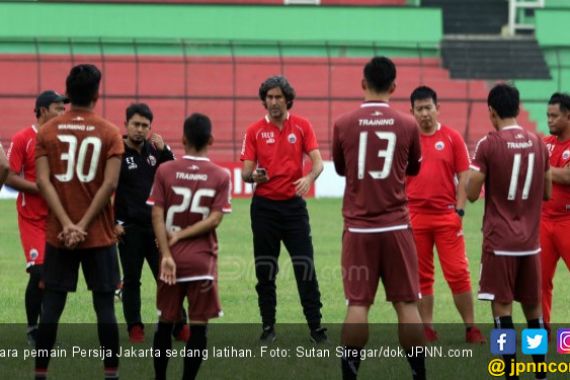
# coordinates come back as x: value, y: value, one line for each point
x: 151, y: 160
x: 34, y: 254
x: 292, y: 138
x: 439, y: 145
x: 566, y: 154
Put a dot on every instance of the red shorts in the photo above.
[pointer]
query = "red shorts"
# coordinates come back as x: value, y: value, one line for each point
x: 203, y: 300
x: 445, y: 231
x: 508, y: 278
x: 555, y: 244
x: 368, y: 257
x: 33, y: 237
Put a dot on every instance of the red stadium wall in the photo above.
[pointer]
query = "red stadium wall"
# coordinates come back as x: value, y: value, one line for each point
x: 226, y: 90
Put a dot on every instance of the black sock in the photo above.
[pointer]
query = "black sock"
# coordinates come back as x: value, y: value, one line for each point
x: 510, y: 360
x: 417, y: 363
x: 538, y: 359
x: 350, y: 362
x: 33, y: 298
x: 107, y: 328
x: 162, y: 342
x: 53, y: 304
x: 196, y: 345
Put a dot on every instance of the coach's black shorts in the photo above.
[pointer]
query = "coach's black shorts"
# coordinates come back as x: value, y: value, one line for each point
x: 100, y: 268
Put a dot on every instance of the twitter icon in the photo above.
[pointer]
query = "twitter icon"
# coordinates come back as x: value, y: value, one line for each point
x: 534, y: 341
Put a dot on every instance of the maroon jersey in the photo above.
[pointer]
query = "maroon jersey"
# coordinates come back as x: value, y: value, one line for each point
x: 514, y: 162
x: 188, y: 190
x: 77, y: 145
x: 372, y: 147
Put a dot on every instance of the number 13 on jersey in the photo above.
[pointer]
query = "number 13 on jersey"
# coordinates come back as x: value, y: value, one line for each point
x: 387, y: 154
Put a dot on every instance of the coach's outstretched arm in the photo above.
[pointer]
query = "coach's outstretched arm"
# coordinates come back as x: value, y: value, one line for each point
x: 4, y: 167
x: 475, y: 183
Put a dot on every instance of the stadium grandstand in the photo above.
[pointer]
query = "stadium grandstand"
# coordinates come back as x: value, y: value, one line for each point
x: 209, y: 56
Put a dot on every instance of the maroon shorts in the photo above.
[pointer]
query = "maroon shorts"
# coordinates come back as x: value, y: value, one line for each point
x: 203, y: 300
x: 508, y: 278
x: 368, y: 257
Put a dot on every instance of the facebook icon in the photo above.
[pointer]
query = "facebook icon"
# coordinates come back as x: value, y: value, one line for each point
x: 503, y: 341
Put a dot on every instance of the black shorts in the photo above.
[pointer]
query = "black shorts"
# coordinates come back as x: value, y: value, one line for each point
x: 100, y: 268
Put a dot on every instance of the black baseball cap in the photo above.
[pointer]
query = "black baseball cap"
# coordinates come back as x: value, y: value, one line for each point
x: 48, y: 97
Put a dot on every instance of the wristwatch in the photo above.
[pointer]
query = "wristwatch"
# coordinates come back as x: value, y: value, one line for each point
x: 460, y: 212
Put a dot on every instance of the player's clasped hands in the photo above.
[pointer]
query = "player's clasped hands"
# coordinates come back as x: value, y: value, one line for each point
x: 71, y: 236
x: 168, y: 270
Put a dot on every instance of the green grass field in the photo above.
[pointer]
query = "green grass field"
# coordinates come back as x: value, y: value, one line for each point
x: 237, y: 275
x: 240, y: 324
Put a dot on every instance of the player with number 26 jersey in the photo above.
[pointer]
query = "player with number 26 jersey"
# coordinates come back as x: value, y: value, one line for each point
x: 188, y: 190
x: 79, y: 144
x: 373, y: 146
x: 512, y: 214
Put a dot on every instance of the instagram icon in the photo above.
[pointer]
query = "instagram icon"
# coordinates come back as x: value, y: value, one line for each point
x: 563, y: 341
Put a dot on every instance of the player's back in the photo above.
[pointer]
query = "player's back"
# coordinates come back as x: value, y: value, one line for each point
x: 189, y: 189
x: 374, y: 145
x: 77, y: 145
x: 514, y: 162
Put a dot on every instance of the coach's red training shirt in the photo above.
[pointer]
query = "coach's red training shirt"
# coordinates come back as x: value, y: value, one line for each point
x: 514, y: 162
x: 372, y: 147
x: 558, y: 207
x: 444, y: 155
x: 280, y: 152
x: 21, y: 156
x: 77, y: 145
x: 188, y: 190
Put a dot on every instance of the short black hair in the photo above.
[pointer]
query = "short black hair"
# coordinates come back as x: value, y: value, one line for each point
x: 82, y: 84
x: 562, y: 99
x: 139, y: 108
x: 423, y: 93
x: 380, y: 73
x: 281, y: 82
x: 198, y: 130
x: 504, y: 99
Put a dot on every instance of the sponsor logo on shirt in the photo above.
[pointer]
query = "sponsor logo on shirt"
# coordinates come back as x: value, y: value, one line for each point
x: 292, y: 138
x: 439, y: 145
x: 375, y: 122
x: 376, y: 113
x: 151, y: 160
x: 131, y: 165
x: 269, y: 137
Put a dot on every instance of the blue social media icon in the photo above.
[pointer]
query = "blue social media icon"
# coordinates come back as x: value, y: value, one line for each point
x: 503, y: 341
x: 534, y: 341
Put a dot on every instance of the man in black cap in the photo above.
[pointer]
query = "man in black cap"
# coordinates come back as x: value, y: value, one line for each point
x: 32, y: 209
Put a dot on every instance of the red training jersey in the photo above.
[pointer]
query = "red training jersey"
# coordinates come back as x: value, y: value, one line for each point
x: 77, y: 145
x: 188, y: 190
x: 279, y: 152
x: 514, y: 162
x: 21, y: 156
x: 558, y: 207
x: 434, y: 189
x: 372, y: 147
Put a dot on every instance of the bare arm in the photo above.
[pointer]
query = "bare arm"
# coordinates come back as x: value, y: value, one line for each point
x: 303, y: 184
x: 4, y: 167
x: 475, y: 183
x: 249, y: 175
x: 561, y: 176
x: 461, y: 189
x: 211, y: 222
x: 337, y: 154
x: 548, y: 179
x: 49, y: 193
x: 17, y: 182
x: 167, y: 264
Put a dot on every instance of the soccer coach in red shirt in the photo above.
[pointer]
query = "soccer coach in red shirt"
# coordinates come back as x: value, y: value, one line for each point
x: 272, y: 156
